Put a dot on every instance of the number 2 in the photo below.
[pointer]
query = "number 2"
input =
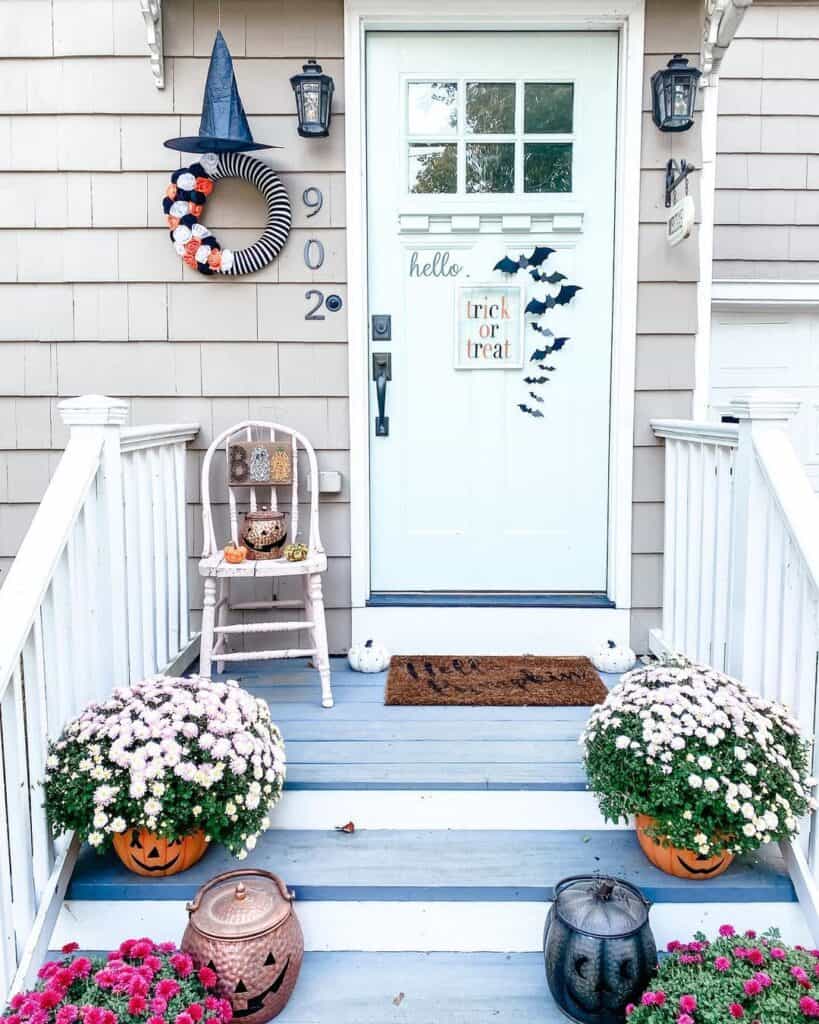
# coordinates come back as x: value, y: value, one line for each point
x: 313, y: 314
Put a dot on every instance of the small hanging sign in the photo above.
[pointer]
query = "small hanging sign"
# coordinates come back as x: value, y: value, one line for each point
x: 259, y: 464
x: 488, y: 327
x: 680, y: 221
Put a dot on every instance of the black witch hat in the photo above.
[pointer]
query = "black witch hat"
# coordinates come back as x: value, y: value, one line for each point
x: 224, y: 127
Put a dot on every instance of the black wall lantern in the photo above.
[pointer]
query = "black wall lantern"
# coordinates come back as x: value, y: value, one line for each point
x: 314, y: 99
x: 673, y: 94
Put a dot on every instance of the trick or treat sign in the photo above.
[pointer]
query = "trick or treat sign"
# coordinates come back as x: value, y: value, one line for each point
x: 488, y: 327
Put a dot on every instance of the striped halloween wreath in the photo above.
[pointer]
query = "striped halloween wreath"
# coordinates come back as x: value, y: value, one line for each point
x: 184, y: 202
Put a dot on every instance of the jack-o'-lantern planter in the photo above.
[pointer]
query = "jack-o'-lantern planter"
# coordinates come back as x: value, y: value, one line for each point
x: 709, y: 769
x: 674, y: 861
x: 147, y: 854
x: 243, y: 926
x: 162, y: 768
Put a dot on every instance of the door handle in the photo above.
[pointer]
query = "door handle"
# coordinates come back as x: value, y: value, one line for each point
x: 382, y: 372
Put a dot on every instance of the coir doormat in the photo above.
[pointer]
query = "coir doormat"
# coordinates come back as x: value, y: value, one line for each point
x: 494, y: 681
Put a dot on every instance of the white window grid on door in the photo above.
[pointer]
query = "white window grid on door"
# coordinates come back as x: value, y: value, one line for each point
x: 461, y: 137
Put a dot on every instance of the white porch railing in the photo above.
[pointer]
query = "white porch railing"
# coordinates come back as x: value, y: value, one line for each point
x: 741, y: 570
x: 97, y: 596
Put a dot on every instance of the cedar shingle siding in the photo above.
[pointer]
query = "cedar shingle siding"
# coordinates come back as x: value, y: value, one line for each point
x: 767, y: 201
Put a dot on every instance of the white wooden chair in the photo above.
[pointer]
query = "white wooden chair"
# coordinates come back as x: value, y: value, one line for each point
x: 219, y: 574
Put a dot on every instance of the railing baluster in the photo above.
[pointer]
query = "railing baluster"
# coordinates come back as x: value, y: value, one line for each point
x: 37, y: 746
x: 670, y: 544
x: 182, y: 543
x: 24, y: 905
x: 160, y: 559
x: 8, y: 950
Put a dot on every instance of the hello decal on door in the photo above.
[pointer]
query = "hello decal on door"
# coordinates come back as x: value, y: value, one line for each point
x: 539, y: 307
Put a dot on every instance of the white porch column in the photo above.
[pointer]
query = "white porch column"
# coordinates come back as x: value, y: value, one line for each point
x: 757, y: 411
x: 104, y: 415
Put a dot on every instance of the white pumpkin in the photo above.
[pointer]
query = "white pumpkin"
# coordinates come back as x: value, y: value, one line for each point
x: 368, y: 656
x: 611, y: 657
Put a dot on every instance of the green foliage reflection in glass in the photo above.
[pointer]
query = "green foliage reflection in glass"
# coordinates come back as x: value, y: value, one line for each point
x: 433, y: 167
x: 547, y: 167
x: 548, y: 107
x: 490, y: 167
x: 490, y: 108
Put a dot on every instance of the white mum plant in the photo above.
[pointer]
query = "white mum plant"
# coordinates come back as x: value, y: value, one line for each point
x: 717, y: 767
x: 173, y: 756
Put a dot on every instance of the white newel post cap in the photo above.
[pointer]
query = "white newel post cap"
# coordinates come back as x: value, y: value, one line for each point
x: 94, y: 410
x: 771, y: 406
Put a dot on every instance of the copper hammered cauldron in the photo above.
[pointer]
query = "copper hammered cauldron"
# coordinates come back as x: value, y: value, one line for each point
x: 243, y: 926
x: 264, y: 532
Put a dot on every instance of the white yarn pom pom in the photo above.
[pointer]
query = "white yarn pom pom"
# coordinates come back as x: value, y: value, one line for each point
x: 179, y: 208
x: 199, y: 231
x: 180, y: 248
x: 202, y: 254
x: 186, y: 181
x: 227, y: 260
x: 182, y: 233
x: 210, y: 161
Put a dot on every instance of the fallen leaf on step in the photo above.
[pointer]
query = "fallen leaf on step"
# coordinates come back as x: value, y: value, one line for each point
x: 349, y: 828
x: 398, y: 999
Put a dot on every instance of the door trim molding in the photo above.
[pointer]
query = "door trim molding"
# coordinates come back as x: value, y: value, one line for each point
x: 625, y: 16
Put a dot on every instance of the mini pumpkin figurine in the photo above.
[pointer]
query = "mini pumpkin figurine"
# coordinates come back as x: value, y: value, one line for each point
x: 235, y: 554
x: 611, y: 657
x: 368, y: 656
x: 243, y: 926
x: 295, y: 552
x: 146, y: 854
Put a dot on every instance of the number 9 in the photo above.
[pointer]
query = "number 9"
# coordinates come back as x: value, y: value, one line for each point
x: 313, y: 199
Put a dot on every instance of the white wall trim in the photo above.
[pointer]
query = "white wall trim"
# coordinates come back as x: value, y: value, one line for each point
x: 748, y: 294
x: 627, y: 16
x: 702, y: 344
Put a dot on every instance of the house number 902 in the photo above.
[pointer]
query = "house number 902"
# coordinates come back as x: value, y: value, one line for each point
x: 332, y: 303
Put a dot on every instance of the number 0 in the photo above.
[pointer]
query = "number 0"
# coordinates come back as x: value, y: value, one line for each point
x: 313, y: 254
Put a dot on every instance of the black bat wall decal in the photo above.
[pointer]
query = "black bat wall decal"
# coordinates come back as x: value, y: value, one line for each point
x: 541, y: 353
x: 542, y: 330
x: 537, y: 398
x: 535, y: 380
x: 539, y: 255
x: 564, y: 296
x: 554, y: 278
x: 532, y: 412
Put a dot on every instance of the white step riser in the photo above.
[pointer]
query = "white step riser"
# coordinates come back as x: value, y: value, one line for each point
x: 515, y: 927
x: 438, y: 809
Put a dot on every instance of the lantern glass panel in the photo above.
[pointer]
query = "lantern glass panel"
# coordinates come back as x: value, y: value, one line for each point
x: 311, y: 102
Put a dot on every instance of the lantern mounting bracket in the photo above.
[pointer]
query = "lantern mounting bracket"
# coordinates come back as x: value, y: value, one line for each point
x: 675, y: 174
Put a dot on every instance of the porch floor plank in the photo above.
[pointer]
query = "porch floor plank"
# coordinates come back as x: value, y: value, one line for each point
x: 362, y: 744
x: 441, y: 865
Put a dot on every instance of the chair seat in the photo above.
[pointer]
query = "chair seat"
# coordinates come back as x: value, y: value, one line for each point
x: 215, y: 565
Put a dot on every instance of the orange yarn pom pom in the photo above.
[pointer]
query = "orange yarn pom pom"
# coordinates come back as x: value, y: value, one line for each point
x: 215, y: 259
x: 204, y: 185
x: 171, y: 191
x: 196, y: 209
x: 192, y: 246
x: 173, y: 222
x: 190, y: 259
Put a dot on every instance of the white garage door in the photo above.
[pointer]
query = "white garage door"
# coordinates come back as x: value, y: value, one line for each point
x: 776, y: 350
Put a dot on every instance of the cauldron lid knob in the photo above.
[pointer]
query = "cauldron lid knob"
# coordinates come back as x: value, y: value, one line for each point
x: 240, y: 892
x: 239, y: 904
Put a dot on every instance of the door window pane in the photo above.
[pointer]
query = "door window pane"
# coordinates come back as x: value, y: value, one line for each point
x: 490, y: 108
x: 548, y: 107
x: 433, y: 108
x: 490, y: 167
x: 547, y: 167
x: 433, y: 167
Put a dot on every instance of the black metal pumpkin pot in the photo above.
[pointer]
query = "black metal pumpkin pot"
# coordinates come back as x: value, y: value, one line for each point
x: 598, y: 948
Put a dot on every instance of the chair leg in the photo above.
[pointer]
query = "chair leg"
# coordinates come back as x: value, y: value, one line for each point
x: 208, y: 621
x: 322, y: 655
x: 223, y: 600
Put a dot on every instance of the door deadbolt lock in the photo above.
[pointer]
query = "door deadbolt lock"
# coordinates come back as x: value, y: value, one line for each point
x: 382, y: 327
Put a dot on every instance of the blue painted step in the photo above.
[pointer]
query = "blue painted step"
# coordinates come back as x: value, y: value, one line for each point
x: 387, y: 865
x: 426, y: 988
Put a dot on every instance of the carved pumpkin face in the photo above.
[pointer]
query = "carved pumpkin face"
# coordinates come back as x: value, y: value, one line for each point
x: 600, y: 983
x: 146, y: 854
x: 681, y: 863
x: 256, y: 975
